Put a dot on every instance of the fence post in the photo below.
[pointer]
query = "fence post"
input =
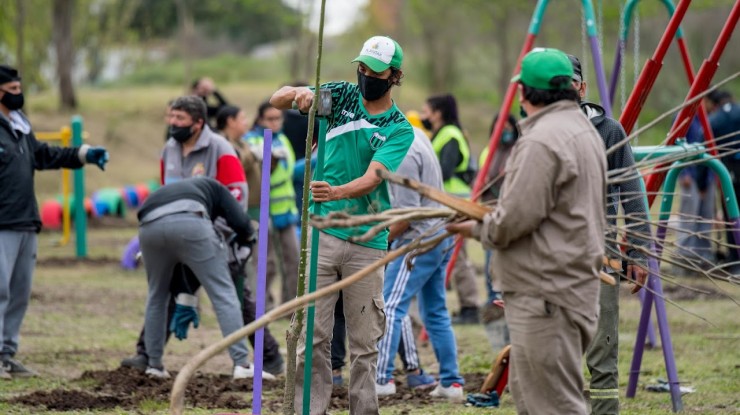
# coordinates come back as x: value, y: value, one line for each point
x: 79, y: 208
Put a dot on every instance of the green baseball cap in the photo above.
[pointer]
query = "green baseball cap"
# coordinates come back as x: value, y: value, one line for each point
x: 380, y: 53
x: 540, y: 65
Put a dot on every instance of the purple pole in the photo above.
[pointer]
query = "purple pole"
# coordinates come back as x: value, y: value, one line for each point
x: 651, y: 341
x: 615, y: 71
x: 642, y: 329
x: 600, y: 77
x: 259, y: 338
x: 665, y: 339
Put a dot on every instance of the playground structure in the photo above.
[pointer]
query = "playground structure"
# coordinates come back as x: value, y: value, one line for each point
x: 72, y: 206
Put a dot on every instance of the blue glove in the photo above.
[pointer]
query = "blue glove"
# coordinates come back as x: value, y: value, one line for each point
x: 97, y: 155
x: 185, y: 313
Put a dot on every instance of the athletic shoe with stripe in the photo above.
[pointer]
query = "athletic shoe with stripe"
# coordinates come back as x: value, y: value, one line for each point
x: 453, y: 392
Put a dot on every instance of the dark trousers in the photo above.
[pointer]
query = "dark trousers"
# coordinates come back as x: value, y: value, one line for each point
x: 189, y: 283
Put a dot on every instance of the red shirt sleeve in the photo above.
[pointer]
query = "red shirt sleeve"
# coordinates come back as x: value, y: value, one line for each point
x: 230, y: 173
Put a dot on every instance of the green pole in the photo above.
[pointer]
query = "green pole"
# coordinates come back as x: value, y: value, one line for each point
x: 629, y: 10
x: 79, y: 194
x: 728, y: 193
x: 539, y: 13
x: 312, y: 275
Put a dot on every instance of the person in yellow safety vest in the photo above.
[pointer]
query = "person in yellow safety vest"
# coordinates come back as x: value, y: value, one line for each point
x: 439, y: 115
x: 283, y: 209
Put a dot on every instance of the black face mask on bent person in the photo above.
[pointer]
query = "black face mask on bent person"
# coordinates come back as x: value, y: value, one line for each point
x: 372, y: 88
x: 181, y: 134
x: 12, y: 101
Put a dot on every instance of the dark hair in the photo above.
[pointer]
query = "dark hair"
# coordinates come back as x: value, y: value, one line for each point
x: 223, y: 115
x: 511, y: 120
x: 195, y: 83
x: 541, y: 97
x: 395, y: 74
x: 447, y: 105
x: 718, y: 96
x: 264, y: 106
x: 192, y: 105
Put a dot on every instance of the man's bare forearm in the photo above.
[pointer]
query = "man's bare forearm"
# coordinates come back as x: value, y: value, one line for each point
x: 283, y: 98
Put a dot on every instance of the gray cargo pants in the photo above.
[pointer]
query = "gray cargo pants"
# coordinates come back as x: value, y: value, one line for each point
x: 602, y: 355
x: 547, y: 345
x: 17, y: 261
x: 190, y: 239
x: 365, y: 322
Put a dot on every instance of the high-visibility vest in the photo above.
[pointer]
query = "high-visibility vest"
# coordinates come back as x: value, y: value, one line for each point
x: 454, y: 184
x: 282, y: 193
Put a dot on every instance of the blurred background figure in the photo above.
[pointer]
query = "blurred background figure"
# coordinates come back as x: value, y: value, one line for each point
x: 439, y: 115
x: 283, y: 209
x: 206, y: 89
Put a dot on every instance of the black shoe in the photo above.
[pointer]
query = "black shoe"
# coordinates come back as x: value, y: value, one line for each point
x: 275, y: 366
x: 16, y: 369
x: 467, y: 315
x: 139, y: 362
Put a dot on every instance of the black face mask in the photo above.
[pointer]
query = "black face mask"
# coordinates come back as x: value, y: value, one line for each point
x: 426, y: 124
x: 12, y: 101
x: 372, y: 88
x: 181, y: 134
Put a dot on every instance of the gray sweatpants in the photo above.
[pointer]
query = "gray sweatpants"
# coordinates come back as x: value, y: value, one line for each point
x: 17, y: 261
x: 547, y: 346
x: 189, y: 239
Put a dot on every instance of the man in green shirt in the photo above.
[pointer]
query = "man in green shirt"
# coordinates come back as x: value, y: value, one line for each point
x: 365, y: 132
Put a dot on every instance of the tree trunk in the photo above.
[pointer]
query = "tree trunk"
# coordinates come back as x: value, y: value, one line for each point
x: 187, y: 36
x: 20, y: 33
x: 63, y: 10
x: 505, y: 67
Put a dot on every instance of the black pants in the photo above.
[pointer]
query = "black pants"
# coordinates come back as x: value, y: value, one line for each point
x: 187, y: 282
x: 339, y: 340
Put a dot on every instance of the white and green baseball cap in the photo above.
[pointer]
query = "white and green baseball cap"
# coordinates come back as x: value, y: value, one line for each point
x: 380, y: 53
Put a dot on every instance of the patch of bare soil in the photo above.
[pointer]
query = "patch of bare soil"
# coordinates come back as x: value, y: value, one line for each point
x: 700, y: 293
x: 127, y: 388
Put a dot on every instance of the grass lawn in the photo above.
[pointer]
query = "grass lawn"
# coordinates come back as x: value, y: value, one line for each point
x: 87, y: 317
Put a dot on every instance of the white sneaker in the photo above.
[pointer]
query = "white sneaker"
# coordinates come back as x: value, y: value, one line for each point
x: 453, y: 392
x: 153, y: 372
x: 247, y: 372
x: 387, y: 389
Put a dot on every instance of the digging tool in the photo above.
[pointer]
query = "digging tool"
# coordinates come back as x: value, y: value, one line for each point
x: 465, y: 207
x: 499, y: 374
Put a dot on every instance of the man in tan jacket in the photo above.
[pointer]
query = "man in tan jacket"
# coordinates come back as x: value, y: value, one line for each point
x: 547, y: 234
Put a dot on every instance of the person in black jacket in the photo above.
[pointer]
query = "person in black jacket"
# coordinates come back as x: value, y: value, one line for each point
x: 206, y: 88
x: 601, y: 356
x: 20, y: 155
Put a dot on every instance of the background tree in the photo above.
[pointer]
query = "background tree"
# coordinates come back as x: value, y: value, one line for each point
x: 62, y: 24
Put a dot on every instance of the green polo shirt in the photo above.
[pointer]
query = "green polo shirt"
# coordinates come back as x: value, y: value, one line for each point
x: 354, y: 139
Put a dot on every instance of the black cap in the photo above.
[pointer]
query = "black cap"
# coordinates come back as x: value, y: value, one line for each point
x: 719, y: 95
x: 577, y: 74
x: 8, y: 74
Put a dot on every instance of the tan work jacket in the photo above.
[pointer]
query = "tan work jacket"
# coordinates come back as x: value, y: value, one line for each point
x: 547, y: 231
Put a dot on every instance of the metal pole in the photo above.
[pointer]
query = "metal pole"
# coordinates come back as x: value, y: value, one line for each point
x: 259, y: 337
x: 308, y: 362
x: 596, y: 56
x: 498, y: 129
x: 703, y: 77
x: 79, y: 208
x: 649, y: 73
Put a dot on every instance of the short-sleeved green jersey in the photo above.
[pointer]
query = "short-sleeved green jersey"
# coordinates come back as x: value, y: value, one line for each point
x: 354, y: 139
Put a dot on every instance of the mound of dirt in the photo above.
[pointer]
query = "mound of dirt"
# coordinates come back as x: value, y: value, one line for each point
x: 58, y: 262
x: 127, y: 388
x: 699, y: 293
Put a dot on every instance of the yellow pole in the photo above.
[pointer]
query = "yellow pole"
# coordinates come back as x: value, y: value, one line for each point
x: 66, y: 137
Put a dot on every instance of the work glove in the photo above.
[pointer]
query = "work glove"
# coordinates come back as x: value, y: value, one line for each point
x: 98, y: 156
x: 185, y: 313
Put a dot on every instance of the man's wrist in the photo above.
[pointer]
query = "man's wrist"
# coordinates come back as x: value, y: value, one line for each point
x: 475, y: 232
